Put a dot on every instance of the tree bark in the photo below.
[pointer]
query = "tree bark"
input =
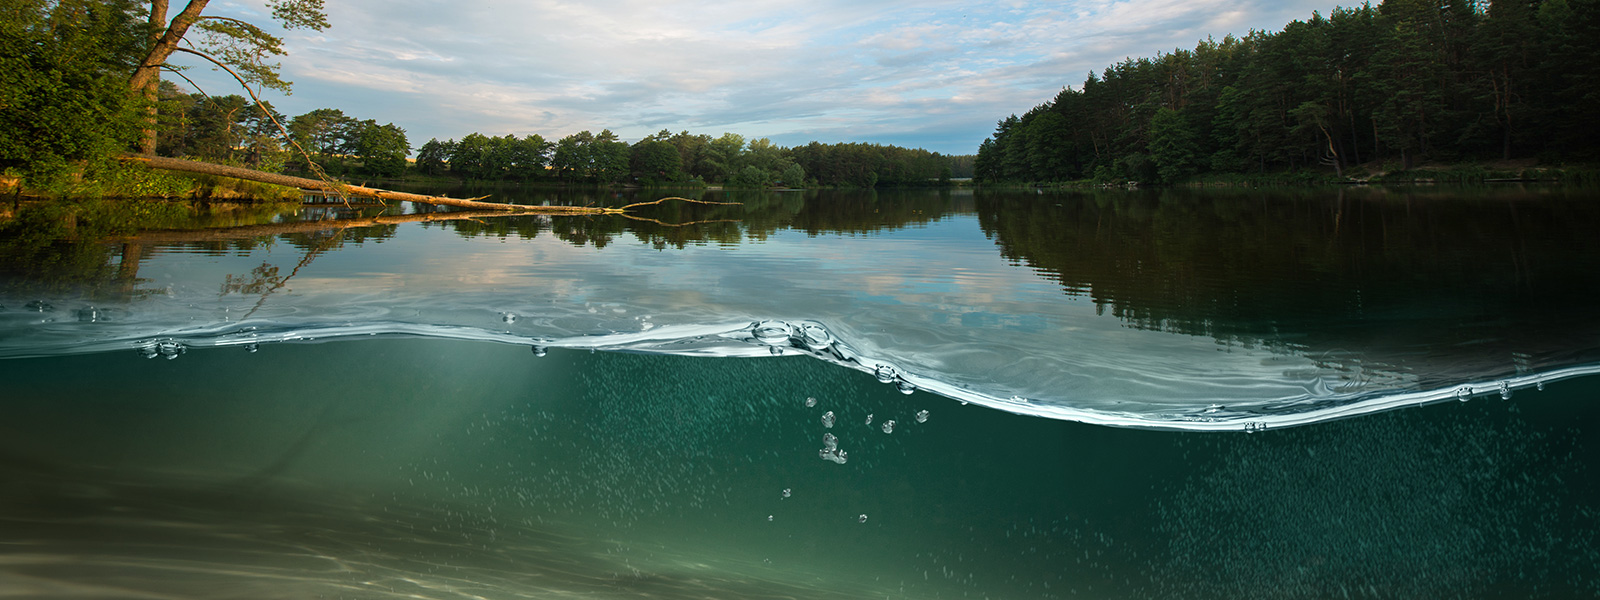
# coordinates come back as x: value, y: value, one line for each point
x: 150, y: 89
x: 189, y: 166
x: 146, y: 77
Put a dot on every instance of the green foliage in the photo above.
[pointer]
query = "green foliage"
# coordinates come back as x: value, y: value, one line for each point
x: 434, y: 156
x: 656, y: 160
x: 64, y: 103
x: 1174, y: 145
x: 1407, y: 81
x: 382, y: 148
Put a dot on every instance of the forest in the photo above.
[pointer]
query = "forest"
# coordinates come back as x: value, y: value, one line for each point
x: 1382, y: 88
x: 84, y: 82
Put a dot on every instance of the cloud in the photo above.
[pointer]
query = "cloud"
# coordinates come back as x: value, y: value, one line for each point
x: 870, y: 71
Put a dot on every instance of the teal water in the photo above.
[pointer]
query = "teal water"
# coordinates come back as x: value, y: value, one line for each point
x: 357, y: 412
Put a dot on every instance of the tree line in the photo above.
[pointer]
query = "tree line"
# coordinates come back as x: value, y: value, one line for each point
x: 81, y: 83
x: 665, y: 158
x: 1395, y: 85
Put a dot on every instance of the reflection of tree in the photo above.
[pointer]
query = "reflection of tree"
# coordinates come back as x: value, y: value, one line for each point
x: 61, y: 247
x: 1441, y: 265
x: 757, y: 215
x: 261, y: 279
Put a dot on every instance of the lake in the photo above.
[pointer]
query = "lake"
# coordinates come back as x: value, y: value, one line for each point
x: 1331, y: 393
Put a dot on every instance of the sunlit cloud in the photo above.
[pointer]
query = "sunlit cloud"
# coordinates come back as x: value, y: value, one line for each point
x: 931, y: 74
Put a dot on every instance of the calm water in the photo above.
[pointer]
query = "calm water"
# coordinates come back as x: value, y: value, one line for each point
x: 378, y: 402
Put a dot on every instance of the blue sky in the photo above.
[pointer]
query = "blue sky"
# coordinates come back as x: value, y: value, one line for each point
x: 932, y: 73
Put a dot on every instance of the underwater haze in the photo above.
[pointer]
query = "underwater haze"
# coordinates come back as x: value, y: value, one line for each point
x: 1362, y: 393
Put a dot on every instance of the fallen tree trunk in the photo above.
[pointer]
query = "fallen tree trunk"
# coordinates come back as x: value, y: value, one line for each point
x: 190, y: 166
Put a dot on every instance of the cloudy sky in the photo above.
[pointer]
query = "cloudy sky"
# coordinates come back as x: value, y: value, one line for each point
x: 934, y: 74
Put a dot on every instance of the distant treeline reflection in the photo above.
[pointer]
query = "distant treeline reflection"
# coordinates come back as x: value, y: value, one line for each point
x: 1321, y: 269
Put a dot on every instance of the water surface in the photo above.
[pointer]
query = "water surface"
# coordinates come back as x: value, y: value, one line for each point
x: 535, y: 406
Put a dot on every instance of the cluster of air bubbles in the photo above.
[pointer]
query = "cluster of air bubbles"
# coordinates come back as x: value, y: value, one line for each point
x: 1464, y: 393
x: 1505, y: 390
x: 1538, y: 384
x: 862, y: 518
x: 830, y: 450
x: 1016, y: 399
x: 1254, y: 426
x: 922, y: 416
x: 165, y: 348
x: 869, y: 418
x: 252, y: 347
x: 827, y: 419
x: 540, y: 351
x: 810, y: 402
x: 785, y: 492
x: 508, y: 317
x: 888, y: 426
x: 885, y: 373
x: 89, y: 314
x: 39, y: 306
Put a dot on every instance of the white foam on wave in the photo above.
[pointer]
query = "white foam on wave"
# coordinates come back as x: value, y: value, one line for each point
x: 770, y: 338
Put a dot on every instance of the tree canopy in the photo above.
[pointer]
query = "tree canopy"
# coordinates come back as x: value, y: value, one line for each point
x: 1397, y: 84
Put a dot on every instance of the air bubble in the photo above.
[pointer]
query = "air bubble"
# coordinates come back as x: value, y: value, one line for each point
x: 922, y: 416
x: 861, y: 519
x: 827, y: 419
x: 815, y: 337
x: 1505, y: 390
x: 1464, y: 393
x: 888, y: 426
x: 88, y: 314
x: 252, y: 348
x: 829, y: 442
x: 771, y: 333
x: 776, y: 351
x: 785, y: 492
x: 869, y: 419
x: 540, y: 351
x: 769, y: 518
x: 834, y: 456
x: 1539, y: 385
x: 170, y: 349
x: 905, y: 387
x: 39, y: 306
x: 1213, y: 408
x: 885, y: 373
x: 810, y: 402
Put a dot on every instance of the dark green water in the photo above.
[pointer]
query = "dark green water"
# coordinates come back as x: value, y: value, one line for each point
x: 419, y: 449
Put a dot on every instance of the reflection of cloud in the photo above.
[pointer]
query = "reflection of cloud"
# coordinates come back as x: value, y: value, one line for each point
x: 928, y: 73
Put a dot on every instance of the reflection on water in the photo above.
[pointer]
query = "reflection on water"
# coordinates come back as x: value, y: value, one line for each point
x: 1233, y: 310
x: 172, y: 423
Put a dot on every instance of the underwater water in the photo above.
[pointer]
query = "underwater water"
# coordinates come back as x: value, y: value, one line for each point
x: 1349, y: 393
